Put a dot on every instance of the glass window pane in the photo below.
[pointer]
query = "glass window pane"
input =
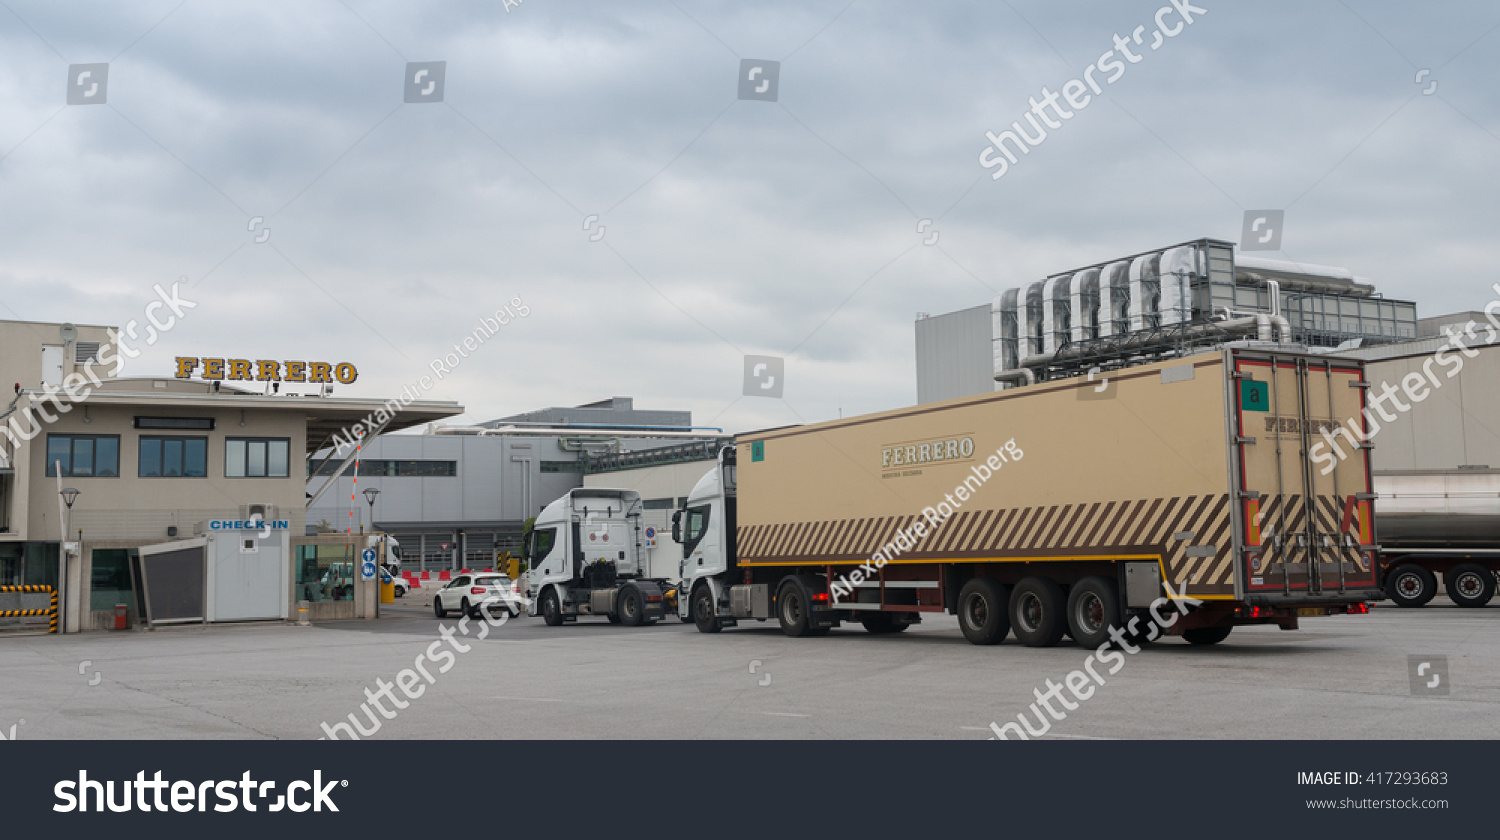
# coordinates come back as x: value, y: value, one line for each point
x: 255, y: 458
x: 234, y: 459
x: 278, y: 459
x: 83, y: 456
x: 59, y: 448
x: 195, y: 458
x: 107, y: 456
x: 171, y: 458
x: 150, y: 465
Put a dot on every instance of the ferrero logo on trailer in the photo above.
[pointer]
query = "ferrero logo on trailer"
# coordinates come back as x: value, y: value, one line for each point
x: 262, y: 370
x: 927, y: 452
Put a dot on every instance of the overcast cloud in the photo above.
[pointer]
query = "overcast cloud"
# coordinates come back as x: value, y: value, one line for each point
x: 731, y: 227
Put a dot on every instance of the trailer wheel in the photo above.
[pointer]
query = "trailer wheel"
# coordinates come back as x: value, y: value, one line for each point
x: 551, y: 610
x: 1093, y: 608
x: 705, y: 611
x: 1206, y: 635
x: 1470, y: 585
x: 1410, y: 585
x: 983, y: 611
x: 795, y: 613
x: 629, y: 607
x: 1037, y: 612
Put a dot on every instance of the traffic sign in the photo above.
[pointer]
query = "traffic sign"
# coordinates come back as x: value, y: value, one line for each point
x: 369, y: 555
x: 650, y: 533
x: 367, y: 570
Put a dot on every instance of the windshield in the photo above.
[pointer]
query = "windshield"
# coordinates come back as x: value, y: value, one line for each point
x: 501, y: 582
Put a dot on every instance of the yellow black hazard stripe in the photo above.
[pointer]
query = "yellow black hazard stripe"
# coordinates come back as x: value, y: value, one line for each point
x: 50, y: 612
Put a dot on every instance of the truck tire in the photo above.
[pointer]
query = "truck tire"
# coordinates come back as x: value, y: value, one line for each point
x: 628, y: 607
x: 1093, y: 608
x: 984, y: 611
x: 1206, y: 635
x: 551, y: 609
x: 794, y: 611
x: 1470, y: 585
x: 613, y: 619
x: 1410, y: 585
x: 1038, y: 612
x: 704, y: 610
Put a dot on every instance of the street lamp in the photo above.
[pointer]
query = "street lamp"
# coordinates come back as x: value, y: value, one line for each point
x: 370, y: 494
x: 69, y: 496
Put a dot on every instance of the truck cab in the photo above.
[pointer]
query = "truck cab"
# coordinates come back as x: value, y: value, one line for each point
x: 706, y: 529
x: 587, y: 557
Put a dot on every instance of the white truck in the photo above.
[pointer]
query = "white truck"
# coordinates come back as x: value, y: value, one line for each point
x: 587, y: 557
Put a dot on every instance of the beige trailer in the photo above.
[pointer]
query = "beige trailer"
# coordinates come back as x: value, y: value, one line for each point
x: 1060, y: 507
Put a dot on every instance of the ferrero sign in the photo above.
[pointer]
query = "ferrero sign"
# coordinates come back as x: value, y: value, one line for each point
x: 263, y: 370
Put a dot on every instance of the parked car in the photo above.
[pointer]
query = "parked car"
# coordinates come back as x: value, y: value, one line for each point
x: 466, y: 593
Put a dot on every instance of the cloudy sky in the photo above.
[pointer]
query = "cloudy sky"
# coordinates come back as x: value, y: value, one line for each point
x: 731, y: 227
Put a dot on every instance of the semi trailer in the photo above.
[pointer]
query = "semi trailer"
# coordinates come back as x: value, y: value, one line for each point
x: 1058, y: 508
x: 587, y: 558
x: 1437, y: 466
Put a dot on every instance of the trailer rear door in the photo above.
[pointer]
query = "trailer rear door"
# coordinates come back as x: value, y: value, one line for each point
x: 1304, y: 476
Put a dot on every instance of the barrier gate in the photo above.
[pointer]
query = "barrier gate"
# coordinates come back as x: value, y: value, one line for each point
x: 50, y: 611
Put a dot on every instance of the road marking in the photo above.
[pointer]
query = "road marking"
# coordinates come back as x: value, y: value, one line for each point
x: 975, y: 728
x: 784, y: 714
x: 1079, y: 737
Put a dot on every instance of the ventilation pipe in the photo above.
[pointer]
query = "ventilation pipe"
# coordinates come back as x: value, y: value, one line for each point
x: 1055, y: 313
x: 1145, y: 292
x: 1178, y: 268
x: 1005, y: 325
x: 1084, y: 303
x: 1114, y: 299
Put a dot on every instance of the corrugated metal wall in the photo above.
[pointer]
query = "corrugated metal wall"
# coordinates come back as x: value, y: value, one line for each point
x: 955, y: 355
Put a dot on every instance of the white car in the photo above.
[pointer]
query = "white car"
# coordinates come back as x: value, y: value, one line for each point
x: 466, y: 593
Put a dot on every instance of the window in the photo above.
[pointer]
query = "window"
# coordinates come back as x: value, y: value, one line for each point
x: 658, y: 504
x: 696, y: 527
x: 173, y: 457
x: 539, y: 544
x: 562, y: 466
x: 326, y: 572
x: 390, y: 469
x: 84, y: 455
x: 256, y: 457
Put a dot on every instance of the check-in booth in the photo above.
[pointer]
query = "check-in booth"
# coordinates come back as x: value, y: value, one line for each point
x: 328, y: 574
x: 235, y: 570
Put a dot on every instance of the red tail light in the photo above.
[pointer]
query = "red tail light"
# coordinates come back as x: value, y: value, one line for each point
x: 477, y: 590
x: 820, y: 596
x: 1359, y: 609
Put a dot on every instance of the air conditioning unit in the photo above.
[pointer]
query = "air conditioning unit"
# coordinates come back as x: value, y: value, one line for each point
x: 267, y: 512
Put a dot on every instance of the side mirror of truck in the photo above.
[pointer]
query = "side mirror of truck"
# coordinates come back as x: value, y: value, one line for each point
x: 677, y: 526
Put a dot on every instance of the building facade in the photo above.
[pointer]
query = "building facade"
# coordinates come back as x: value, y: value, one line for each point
x: 455, y: 496
x: 103, y: 472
